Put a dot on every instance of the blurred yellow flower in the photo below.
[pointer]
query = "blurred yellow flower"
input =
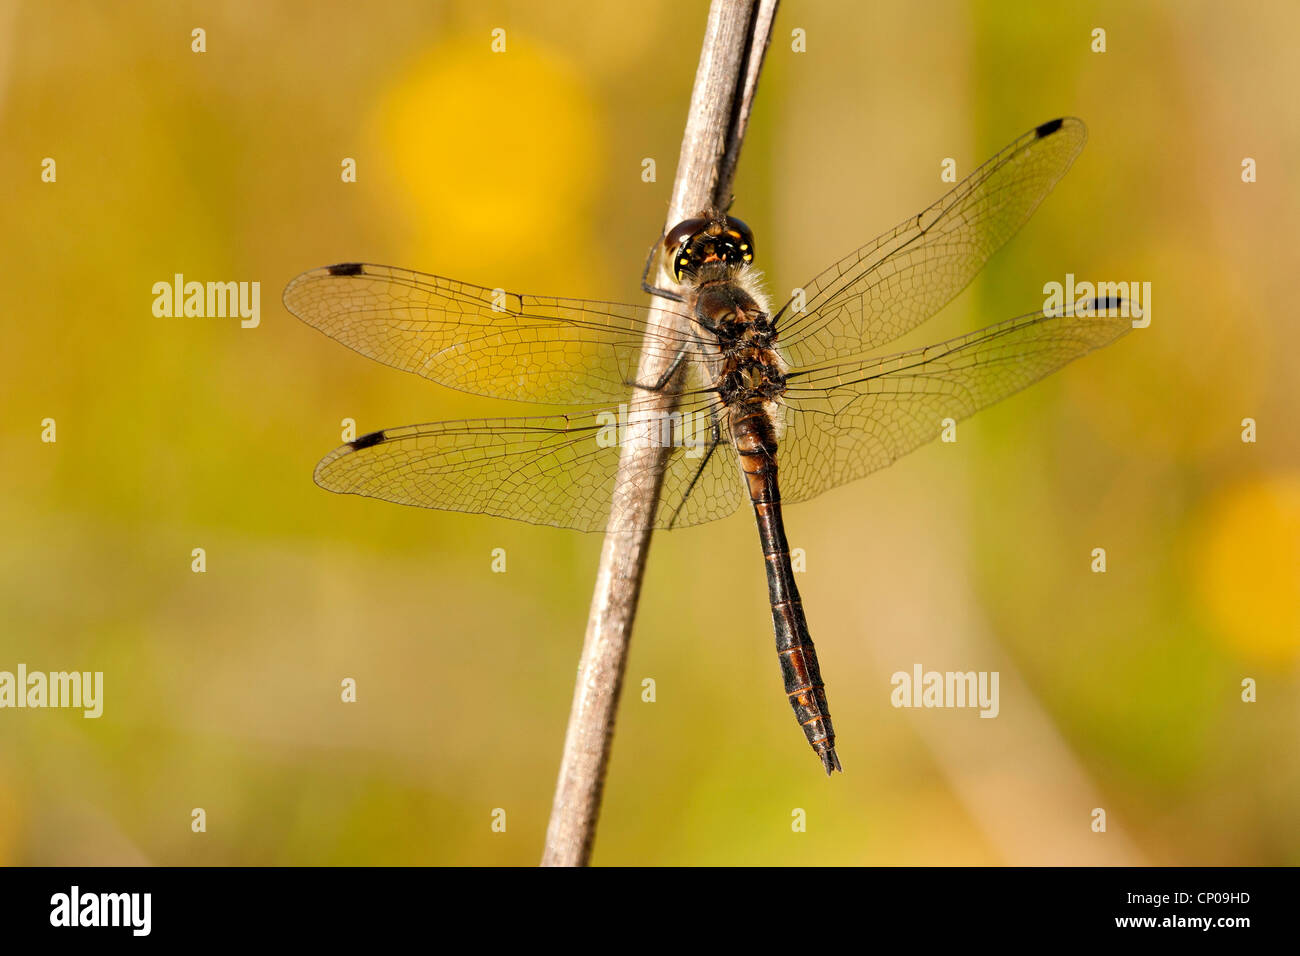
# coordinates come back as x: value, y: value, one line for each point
x: 492, y: 149
x: 1247, y: 558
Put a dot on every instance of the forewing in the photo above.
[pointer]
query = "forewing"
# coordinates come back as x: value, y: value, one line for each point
x: 895, y: 283
x: 847, y: 420
x: 485, y: 341
x: 553, y: 470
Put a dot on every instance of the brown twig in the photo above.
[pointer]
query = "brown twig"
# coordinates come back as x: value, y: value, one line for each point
x: 735, y: 41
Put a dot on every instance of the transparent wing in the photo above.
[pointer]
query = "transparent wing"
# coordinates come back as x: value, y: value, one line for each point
x: 553, y: 469
x: 847, y: 420
x: 895, y: 283
x: 486, y: 341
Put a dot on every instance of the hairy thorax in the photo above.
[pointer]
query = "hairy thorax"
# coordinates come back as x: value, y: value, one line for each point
x: 732, y: 312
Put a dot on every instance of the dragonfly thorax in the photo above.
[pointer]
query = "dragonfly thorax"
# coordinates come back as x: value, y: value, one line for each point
x: 750, y: 375
x: 728, y: 303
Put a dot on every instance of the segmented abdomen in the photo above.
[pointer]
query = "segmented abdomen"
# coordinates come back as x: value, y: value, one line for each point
x: 754, y: 434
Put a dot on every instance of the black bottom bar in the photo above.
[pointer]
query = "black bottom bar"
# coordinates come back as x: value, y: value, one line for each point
x: 322, y: 906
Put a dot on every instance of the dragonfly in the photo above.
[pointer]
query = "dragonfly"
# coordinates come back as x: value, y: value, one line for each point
x: 803, y: 385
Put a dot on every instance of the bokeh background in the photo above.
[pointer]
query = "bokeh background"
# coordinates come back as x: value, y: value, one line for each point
x: 1119, y: 690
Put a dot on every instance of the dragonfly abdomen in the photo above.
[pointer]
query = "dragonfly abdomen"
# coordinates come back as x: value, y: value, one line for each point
x: 754, y: 434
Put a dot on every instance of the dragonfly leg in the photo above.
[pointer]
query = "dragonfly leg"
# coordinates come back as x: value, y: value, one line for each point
x: 667, y: 376
x: 715, y: 439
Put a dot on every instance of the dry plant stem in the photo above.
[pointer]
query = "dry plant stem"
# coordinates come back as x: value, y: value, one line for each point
x: 734, y: 43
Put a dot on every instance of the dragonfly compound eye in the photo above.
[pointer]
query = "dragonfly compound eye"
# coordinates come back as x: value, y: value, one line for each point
x: 741, y: 239
x: 695, y: 242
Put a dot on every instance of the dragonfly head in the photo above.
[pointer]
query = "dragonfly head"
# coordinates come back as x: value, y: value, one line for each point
x: 715, y: 238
